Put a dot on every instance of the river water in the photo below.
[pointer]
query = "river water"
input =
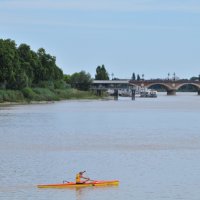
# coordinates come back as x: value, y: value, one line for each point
x: 152, y: 145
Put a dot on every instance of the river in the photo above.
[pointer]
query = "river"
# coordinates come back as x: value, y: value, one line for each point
x: 152, y: 145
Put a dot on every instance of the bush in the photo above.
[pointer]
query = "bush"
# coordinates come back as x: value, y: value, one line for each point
x: 1, y: 96
x: 74, y: 94
x: 45, y: 94
x: 11, y: 96
x: 29, y: 93
x: 61, y: 84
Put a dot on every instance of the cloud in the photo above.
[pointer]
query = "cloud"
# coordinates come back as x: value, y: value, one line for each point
x: 105, y: 5
x: 32, y: 22
x: 25, y: 12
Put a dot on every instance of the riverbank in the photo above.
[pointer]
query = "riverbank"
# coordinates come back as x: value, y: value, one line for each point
x: 42, y: 95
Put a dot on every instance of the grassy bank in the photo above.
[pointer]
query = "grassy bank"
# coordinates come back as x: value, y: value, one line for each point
x: 43, y: 94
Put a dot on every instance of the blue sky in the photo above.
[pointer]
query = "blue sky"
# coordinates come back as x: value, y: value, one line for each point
x: 150, y: 37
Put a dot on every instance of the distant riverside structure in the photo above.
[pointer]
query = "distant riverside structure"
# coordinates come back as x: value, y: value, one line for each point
x: 115, y: 85
x: 171, y: 86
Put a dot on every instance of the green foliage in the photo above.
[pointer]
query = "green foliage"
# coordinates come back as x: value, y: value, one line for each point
x: 11, y: 96
x: 45, y: 84
x: 57, y: 84
x: 21, y: 67
x: 66, y: 94
x: 67, y: 78
x: 9, y: 63
x: 26, y: 62
x: 75, y: 94
x: 20, y: 81
x: 60, y: 84
x: 29, y: 94
x: 81, y: 81
x: 101, y: 73
x: 45, y: 94
x: 26, y: 75
x: 48, y: 69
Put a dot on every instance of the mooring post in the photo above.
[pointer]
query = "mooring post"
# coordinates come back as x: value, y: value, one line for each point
x: 99, y: 93
x: 133, y: 94
x: 116, y: 94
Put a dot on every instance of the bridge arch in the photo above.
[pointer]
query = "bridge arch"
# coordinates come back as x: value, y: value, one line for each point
x: 183, y: 84
x: 161, y: 84
x: 170, y: 90
x: 150, y: 85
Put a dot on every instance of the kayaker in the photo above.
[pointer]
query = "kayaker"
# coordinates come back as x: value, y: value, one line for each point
x: 80, y: 179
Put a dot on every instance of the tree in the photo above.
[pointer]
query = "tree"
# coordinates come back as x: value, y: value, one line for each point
x: 142, y: 76
x: 21, y: 67
x: 138, y: 77
x: 133, y: 77
x: 49, y: 71
x: 101, y: 73
x: 81, y: 80
x: 67, y: 78
x: 26, y: 62
x: 9, y: 65
x: 36, y: 66
x: 195, y: 78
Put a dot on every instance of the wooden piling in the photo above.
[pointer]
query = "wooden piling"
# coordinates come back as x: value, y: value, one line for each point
x: 116, y: 94
x: 133, y: 94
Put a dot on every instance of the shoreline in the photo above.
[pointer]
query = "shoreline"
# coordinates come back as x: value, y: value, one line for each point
x: 7, y: 103
x: 43, y: 96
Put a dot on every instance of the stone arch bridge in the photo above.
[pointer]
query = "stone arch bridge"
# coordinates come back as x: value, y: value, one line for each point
x: 171, y: 86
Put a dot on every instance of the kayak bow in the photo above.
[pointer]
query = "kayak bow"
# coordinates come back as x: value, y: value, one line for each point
x: 77, y: 185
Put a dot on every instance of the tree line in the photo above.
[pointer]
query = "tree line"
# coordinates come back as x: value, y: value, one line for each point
x: 22, y: 67
x: 82, y: 80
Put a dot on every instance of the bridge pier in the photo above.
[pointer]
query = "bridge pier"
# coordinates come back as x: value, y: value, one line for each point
x: 198, y: 92
x: 171, y: 92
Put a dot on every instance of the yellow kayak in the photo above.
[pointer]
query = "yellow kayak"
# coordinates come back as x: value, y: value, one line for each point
x: 78, y: 185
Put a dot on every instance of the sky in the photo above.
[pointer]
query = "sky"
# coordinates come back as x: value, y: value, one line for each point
x: 150, y: 37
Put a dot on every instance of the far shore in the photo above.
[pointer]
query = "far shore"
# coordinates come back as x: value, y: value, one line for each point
x: 25, y: 103
x: 43, y: 96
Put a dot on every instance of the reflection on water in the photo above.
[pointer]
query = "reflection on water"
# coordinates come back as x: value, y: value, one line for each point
x: 151, y: 145
x: 83, y: 193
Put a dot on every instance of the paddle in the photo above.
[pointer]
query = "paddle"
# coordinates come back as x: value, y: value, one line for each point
x: 88, y: 179
x: 65, y: 182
